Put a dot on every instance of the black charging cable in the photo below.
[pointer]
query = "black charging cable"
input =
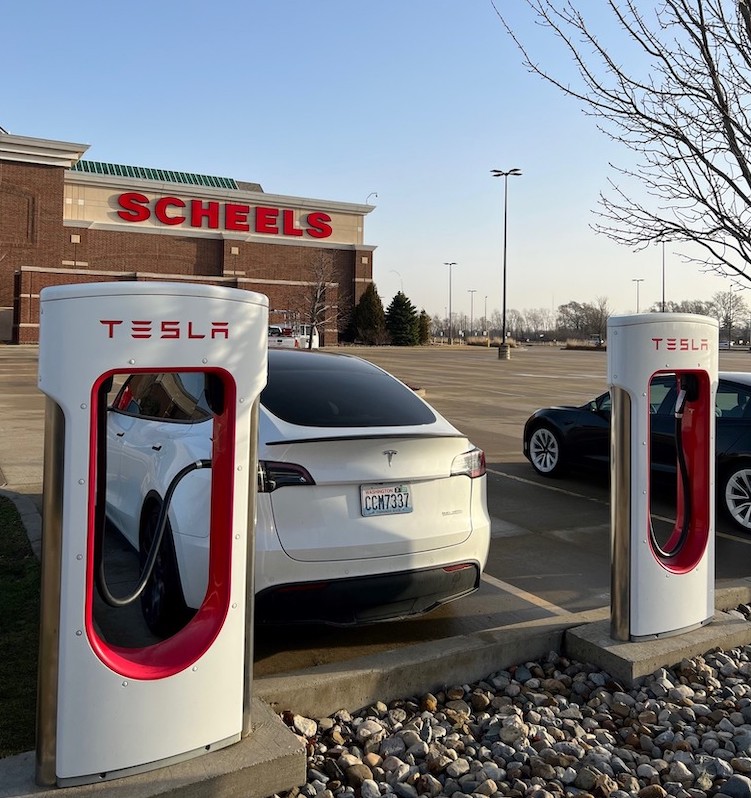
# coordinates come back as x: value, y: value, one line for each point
x: 148, y: 568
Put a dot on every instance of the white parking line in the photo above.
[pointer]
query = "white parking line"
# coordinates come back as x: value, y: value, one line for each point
x: 580, y: 376
x: 530, y: 598
x: 554, y: 489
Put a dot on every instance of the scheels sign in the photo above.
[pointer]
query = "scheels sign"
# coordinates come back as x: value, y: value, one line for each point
x: 214, y: 215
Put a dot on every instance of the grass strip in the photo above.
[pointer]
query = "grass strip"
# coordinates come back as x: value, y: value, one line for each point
x: 19, y: 633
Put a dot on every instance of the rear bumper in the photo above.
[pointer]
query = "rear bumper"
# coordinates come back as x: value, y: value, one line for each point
x: 366, y: 599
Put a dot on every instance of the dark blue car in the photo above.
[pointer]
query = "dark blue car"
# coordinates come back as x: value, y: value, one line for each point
x: 558, y: 439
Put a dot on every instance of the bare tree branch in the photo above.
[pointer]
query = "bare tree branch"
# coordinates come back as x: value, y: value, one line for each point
x: 317, y: 306
x: 682, y: 107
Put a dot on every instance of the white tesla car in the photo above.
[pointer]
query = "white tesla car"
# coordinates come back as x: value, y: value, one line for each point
x: 371, y: 505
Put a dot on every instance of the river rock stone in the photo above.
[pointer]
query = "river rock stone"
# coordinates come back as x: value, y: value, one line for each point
x: 548, y: 729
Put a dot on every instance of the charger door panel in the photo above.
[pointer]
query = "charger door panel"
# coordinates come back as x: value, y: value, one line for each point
x: 115, y: 699
x: 663, y: 373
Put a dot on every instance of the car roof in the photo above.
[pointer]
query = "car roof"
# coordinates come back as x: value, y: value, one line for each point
x: 743, y: 377
x: 300, y: 359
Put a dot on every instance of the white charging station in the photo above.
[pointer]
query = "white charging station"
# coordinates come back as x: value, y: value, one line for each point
x: 664, y: 363
x: 107, y: 710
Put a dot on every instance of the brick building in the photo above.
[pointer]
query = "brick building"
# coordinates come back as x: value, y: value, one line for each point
x: 68, y: 220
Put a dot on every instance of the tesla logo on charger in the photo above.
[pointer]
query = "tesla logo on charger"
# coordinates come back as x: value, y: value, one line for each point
x: 681, y: 344
x: 147, y: 328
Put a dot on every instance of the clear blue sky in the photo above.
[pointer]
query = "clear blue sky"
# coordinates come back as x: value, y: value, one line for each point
x: 416, y: 100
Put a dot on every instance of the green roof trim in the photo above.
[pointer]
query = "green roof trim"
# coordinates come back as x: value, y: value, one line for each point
x: 162, y: 175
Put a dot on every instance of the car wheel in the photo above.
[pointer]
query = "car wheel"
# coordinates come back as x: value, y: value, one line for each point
x: 162, y: 601
x: 546, y: 452
x: 735, y: 495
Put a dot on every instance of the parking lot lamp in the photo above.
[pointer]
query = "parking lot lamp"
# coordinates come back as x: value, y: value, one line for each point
x: 637, y: 280
x: 471, y: 292
x: 485, y: 317
x: 451, y: 329
x: 503, y: 352
x: 662, y: 307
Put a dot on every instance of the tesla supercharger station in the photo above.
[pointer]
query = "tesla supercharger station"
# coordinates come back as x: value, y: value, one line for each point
x: 662, y: 372
x: 108, y: 709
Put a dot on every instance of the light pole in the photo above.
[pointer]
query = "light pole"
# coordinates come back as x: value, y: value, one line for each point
x: 487, y: 326
x: 637, y: 280
x: 372, y: 194
x: 451, y: 328
x: 731, y: 309
x: 662, y: 308
x: 503, y: 351
x: 401, y: 282
x: 471, y: 292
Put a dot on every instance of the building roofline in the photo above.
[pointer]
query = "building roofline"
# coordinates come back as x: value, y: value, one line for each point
x: 46, y: 152
x: 226, y: 194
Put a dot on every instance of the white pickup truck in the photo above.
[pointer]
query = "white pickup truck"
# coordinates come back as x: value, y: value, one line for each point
x: 290, y: 338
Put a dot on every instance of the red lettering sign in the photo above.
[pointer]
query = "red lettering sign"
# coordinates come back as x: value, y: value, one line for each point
x: 214, y: 215
x: 288, y: 223
x: 319, y: 226
x: 681, y: 344
x: 266, y: 220
x: 199, y: 212
x: 135, y: 207
x: 147, y: 329
x: 236, y: 217
x: 170, y: 329
x: 160, y: 210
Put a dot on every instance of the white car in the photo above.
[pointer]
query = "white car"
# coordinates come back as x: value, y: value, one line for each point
x: 370, y: 506
x: 293, y: 338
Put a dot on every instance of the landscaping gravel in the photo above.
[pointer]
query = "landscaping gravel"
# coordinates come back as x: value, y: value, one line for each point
x: 546, y: 729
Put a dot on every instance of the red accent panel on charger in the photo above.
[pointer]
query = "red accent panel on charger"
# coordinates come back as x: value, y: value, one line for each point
x: 168, y: 657
x: 695, y: 429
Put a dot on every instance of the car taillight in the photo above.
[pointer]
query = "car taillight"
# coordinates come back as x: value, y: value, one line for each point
x: 471, y: 463
x: 273, y: 475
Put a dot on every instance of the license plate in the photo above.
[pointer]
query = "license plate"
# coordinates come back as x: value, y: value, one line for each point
x: 385, y: 499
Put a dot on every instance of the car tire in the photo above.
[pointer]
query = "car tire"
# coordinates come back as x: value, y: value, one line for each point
x: 162, y: 602
x: 735, y: 495
x: 546, y: 451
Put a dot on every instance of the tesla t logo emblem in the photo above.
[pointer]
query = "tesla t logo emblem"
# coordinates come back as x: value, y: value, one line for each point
x: 390, y: 454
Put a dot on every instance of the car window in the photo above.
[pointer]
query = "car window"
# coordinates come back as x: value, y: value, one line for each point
x: 339, y: 392
x: 732, y: 400
x: 662, y: 391
x: 660, y: 388
x: 169, y: 396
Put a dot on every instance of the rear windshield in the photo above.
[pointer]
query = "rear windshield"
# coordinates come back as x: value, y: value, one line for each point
x: 332, y: 391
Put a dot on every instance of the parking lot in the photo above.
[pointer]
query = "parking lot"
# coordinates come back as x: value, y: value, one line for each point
x: 550, y: 549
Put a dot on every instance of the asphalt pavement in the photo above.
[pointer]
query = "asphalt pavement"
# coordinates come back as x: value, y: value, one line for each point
x: 546, y: 585
x: 550, y: 551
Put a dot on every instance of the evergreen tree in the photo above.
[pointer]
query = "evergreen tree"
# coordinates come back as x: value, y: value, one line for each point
x: 402, y: 321
x: 423, y: 328
x: 369, y: 319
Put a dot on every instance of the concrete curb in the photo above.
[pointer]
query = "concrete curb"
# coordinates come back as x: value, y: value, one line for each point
x: 414, y: 670
x: 426, y: 667
x: 628, y: 661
